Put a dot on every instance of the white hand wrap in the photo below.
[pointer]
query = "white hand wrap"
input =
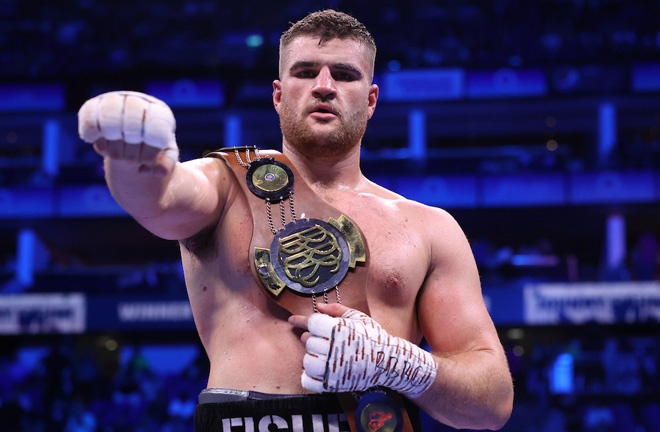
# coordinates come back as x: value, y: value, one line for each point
x: 354, y: 353
x: 129, y: 116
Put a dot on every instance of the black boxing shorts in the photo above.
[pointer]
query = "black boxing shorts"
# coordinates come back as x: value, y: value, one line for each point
x: 229, y: 410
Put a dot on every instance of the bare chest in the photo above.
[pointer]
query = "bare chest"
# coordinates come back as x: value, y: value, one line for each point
x: 398, y: 259
x: 389, y: 281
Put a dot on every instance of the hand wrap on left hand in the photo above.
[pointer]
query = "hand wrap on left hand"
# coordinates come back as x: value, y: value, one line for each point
x: 354, y: 353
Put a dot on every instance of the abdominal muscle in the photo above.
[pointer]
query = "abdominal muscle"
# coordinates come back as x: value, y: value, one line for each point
x: 262, y: 355
x: 248, y: 340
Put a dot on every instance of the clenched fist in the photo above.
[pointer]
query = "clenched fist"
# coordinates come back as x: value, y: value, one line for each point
x: 352, y: 352
x: 129, y: 126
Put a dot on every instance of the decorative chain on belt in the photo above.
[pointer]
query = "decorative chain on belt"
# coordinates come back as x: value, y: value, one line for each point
x: 307, y: 256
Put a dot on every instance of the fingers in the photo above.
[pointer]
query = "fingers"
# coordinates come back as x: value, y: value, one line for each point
x: 128, y: 125
x: 318, y: 325
x: 338, y: 310
x: 109, y: 116
x: 133, y: 119
x: 332, y: 309
x: 298, y: 321
x: 119, y: 149
x: 318, y: 346
x: 315, y: 366
x: 321, y: 325
x: 159, y: 126
x: 88, y: 127
x: 315, y: 363
x: 312, y: 383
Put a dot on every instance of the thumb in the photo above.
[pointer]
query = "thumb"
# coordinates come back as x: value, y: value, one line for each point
x: 333, y: 309
x: 340, y: 311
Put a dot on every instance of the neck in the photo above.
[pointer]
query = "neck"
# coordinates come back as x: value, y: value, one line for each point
x: 339, y: 172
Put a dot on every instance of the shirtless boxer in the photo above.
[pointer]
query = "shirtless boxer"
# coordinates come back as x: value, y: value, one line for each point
x: 421, y: 279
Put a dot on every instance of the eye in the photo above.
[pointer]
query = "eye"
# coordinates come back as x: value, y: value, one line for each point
x: 306, y: 73
x: 346, y: 73
x: 343, y: 76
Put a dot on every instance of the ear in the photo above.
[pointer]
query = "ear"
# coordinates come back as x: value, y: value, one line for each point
x: 372, y: 99
x: 277, y: 95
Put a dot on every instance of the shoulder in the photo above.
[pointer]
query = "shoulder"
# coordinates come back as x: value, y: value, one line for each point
x: 212, y: 163
x: 432, y: 217
x: 210, y: 175
x: 433, y: 226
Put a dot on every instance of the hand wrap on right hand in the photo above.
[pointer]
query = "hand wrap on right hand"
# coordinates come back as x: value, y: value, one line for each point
x: 128, y: 116
x: 354, y: 353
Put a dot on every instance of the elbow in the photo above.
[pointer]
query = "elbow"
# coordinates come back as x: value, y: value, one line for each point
x: 496, y: 413
x: 501, y: 411
x: 501, y: 406
x: 501, y: 416
x: 494, y: 417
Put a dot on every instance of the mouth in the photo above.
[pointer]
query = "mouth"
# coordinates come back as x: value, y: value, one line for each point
x: 323, y: 109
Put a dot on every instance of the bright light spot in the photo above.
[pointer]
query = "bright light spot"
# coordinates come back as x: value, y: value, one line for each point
x: 552, y: 145
x: 254, y: 41
x: 518, y: 351
x: 562, y: 374
x: 515, y: 333
x: 111, y: 344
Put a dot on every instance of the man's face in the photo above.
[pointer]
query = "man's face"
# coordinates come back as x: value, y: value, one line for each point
x: 325, y: 97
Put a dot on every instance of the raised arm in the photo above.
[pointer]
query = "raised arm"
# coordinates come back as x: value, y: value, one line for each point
x: 472, y: 387
x: 134, y: 133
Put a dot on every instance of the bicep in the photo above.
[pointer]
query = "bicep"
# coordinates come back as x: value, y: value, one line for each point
x: 451, y: 310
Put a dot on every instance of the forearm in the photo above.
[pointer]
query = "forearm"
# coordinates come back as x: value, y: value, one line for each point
x: 471, y: 390
x: 140, y: 192
x: 173, y: 203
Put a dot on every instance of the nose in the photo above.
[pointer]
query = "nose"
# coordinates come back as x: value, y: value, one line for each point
x: 324, y: 85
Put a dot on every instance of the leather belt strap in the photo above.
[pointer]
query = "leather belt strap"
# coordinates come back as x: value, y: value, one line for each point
x: 306, y: 201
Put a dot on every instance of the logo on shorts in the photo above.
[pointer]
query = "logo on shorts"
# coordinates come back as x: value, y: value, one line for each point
x: 377, y: 412
x: 288, y: 423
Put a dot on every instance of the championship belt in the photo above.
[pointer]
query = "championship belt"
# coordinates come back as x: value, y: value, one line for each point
x: 308, y: 255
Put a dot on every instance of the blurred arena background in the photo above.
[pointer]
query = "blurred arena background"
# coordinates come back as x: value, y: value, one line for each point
x: 535, y: 123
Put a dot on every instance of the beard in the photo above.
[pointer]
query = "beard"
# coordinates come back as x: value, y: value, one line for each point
x: 314, y: 144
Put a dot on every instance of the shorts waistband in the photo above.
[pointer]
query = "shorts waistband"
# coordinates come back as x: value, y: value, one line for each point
x: 220, y: 395
x: 226, y: 410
